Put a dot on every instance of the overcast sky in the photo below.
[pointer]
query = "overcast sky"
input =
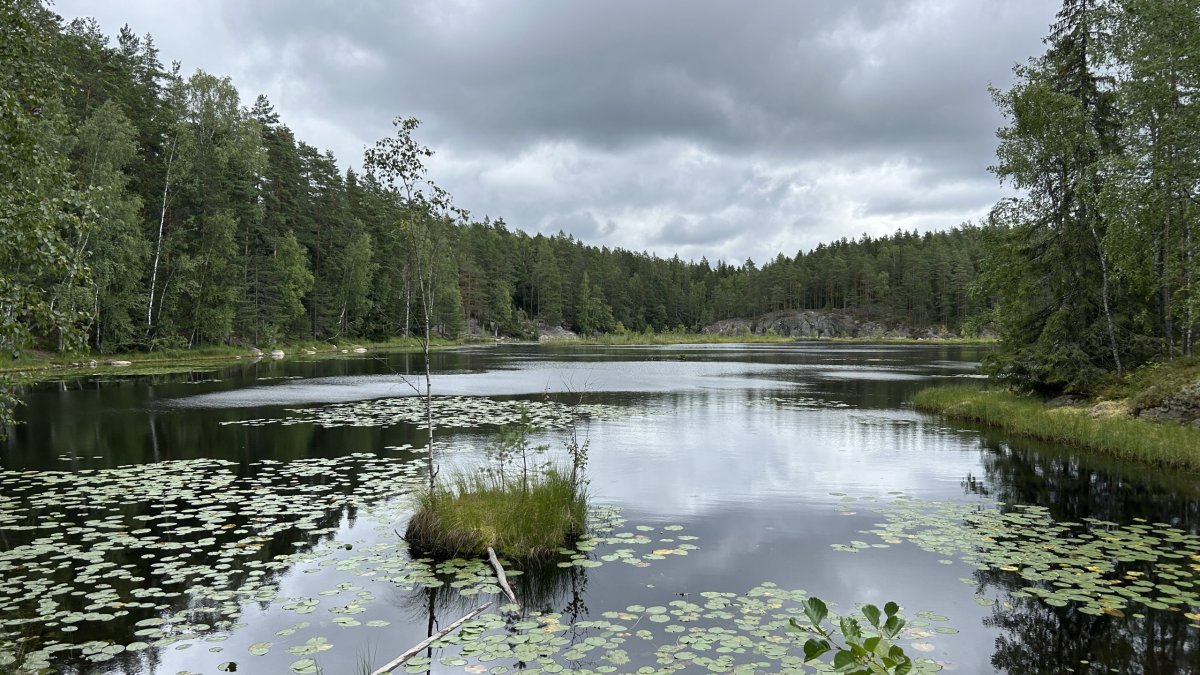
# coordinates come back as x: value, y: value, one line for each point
x: 727, y: 130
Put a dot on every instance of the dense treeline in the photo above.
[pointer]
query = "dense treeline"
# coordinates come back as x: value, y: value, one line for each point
x: 186, y: 217
x: 1097, y: 269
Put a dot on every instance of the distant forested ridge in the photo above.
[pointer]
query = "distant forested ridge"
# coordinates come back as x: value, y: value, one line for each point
x: 182, y: 216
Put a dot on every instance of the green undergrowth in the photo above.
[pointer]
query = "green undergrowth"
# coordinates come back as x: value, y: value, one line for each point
x: 1151, y: 385
x: 527, y: 522
x: 1156, y: 443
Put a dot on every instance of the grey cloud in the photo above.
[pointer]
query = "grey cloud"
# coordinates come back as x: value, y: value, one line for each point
x: 704, y: 128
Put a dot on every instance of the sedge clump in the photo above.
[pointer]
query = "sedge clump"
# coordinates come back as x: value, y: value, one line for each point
x: 520, y: 504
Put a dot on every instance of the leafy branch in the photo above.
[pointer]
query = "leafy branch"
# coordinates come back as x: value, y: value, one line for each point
x: 861, y: 654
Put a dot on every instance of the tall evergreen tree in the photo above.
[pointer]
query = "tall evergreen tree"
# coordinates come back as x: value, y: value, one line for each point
x: 1049, y: 271
x: 1152, y: 192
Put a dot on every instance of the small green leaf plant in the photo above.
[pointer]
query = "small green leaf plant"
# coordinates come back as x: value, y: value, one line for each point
x: 870, y: 653
x: 511, y: 446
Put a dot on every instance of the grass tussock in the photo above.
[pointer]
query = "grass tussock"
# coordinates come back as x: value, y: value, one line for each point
x: 466, y: 514
x: 1156, y: 443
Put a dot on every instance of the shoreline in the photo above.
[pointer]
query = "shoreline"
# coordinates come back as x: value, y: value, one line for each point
x: 42, y: 367
x: 1162, y: 444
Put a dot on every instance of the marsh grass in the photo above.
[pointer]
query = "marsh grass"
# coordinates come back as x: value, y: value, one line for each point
x: 1157, y: 443
x: 466, y: 513
x: 675, y: 338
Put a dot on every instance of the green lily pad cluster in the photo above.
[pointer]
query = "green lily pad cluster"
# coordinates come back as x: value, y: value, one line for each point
x: 177, y: 549
x: 797, y: 403
x: 1100, y: 566
x: 449, y: 412
x: 182, y: 543
x: 714, y: 631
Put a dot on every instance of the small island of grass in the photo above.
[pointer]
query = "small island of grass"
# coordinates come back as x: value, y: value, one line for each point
x: 519, y: 505
x: 525, y: 524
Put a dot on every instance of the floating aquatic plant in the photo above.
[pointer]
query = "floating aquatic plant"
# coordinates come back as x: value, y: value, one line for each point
x: 765, y: 630
x: 178, y: 548
x: 1101, y: 567
x: 448, y: 412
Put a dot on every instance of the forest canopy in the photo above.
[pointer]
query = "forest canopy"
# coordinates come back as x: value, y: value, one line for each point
x: 187, y: 216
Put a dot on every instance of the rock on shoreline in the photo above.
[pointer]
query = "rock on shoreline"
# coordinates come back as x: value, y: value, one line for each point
x: 822, y: 324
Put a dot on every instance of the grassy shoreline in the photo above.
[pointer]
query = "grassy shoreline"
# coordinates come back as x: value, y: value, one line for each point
x: 36, y: 367
x: 1156, y: 443
x: 39, y: 367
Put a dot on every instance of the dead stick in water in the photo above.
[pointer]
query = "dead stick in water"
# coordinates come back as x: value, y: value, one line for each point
x: 399, y: 660
x: 500, y: 574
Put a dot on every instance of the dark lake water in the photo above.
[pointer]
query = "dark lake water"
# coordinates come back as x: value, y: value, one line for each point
x: 178, y: 523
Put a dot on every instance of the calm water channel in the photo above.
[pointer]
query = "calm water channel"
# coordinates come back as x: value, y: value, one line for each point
x: 182, y: 522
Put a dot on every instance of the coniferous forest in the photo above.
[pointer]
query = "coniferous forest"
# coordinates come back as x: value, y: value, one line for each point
x: 200, y: 218
x: 146, y: 207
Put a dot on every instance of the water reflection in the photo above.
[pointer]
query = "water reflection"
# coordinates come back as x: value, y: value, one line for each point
x: 1039, y: 638
x: 757, y: 450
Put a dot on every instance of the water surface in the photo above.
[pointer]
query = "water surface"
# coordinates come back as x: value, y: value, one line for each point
x: 773, y: 457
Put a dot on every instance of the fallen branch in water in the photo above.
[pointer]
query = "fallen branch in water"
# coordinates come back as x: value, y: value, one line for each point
x: 399, y: 660
x: 500, y: 574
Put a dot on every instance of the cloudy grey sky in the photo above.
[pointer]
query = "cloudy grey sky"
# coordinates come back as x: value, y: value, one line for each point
x: 719, y: 129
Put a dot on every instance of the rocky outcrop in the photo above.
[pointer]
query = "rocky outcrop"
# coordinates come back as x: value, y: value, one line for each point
x: 820, y: 324
x: 555, y: 334
x: 1182, y: 406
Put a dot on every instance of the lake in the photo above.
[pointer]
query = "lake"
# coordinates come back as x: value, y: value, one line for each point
x: 248, y: 519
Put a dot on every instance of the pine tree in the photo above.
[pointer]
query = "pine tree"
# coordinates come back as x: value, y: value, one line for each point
x: 1050, y: 273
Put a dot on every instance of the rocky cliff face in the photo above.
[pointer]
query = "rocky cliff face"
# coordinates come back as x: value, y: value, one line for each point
x: 818, y: 324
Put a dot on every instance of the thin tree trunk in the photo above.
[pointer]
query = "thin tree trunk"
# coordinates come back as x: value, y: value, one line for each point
x: 96, y: 313
x: 1191, y: 296
x: 428, y: 302
x: 1112, y: 333
x: 162, y: 219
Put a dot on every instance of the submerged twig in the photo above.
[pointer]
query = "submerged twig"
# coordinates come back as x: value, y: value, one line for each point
x: 400, y: 660
x: 500, y: 574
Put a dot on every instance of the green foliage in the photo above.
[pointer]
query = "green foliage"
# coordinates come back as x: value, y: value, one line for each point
x: 201, y: 221
x: 289, y: 280
x: 1049, y: 272
x: 874, y: 652
x: 1098, y: 270
x: 476, y: 511
x: 117, y: 249
x: 1160, y: 444
x: 41, y: 208
x: 592, y: 313
x: 512, y: 449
